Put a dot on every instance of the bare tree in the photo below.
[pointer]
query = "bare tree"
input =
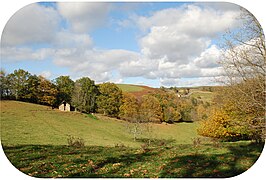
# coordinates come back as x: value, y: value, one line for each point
x: 244, y: 63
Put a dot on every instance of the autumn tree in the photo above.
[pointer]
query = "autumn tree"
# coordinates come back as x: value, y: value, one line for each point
x: 150, y: 112
x: 244, y: 63
x: 170, y: 104
x: 220, y: 125
x: 65, y: 87
x: 129, y: 111
x: 84, y: 95
x: 150, y: 109
x: 47, y: 92
x: 109, y: 99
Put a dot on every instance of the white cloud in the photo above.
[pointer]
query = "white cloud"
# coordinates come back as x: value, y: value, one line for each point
x: 69, y: 40
x: 98, y: 64
x: 175, y: 43
x: 182, y: 33
x: 84, y: 17
x: 31, y: 24
x: 178, y: 41
x: 189, y: 82
x: 194, y: 20
x: 13, y: 54
x: 166, y: 42
x: 209, y: 58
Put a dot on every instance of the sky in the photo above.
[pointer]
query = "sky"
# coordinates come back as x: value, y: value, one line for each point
x: 155, y: 44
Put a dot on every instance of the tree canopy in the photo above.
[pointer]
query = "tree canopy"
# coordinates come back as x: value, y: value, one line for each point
x: 84, y: 95
x: 109, y: 99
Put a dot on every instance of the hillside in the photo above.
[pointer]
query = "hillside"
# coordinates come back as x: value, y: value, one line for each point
x: 205, y: 94
x: 26, y: 123
x: 34, y: 139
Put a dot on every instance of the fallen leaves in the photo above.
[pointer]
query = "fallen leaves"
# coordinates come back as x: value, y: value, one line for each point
x: 127, y: 174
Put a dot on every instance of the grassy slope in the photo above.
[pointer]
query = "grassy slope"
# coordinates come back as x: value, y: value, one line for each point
x: 25, y: 123
x: 130, y: 88
x: 48, y: 156
x: 202, y: 95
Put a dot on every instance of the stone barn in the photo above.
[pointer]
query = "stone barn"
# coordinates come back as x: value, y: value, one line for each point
x: 64, y: 106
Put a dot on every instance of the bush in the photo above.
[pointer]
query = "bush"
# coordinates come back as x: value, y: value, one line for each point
x: 75, y: 142
x: 220, y: 125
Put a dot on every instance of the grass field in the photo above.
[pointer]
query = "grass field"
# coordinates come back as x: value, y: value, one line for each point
x: 25, y: 123
x: 34, y: 138
x: 227, y: 160
x: 130, y: 88
x: 203, y: 95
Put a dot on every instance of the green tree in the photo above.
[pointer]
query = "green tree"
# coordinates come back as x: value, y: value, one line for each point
x: 18, y: 81
x: 109, y: 99
x: 31, y: 89
x: 65, y: 87
x: 4, y: 92
x: 186, y: 109
x: 84, y: 95
x: 171, y: 115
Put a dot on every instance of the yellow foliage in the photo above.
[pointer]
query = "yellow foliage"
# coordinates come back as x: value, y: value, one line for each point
x: 218, y: 125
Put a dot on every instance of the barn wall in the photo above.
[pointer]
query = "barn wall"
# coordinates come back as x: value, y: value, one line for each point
x: 61, y: 107
x: 67, y: 107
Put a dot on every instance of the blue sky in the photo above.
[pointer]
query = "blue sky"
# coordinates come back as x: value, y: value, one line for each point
x: 156, y: 44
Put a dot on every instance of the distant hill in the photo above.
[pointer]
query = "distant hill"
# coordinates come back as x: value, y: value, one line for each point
x: 136, y: 90
x: 204, y: 93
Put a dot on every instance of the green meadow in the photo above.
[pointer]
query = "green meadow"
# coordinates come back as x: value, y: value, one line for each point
x: 130, y: 87
x: 34, y: 138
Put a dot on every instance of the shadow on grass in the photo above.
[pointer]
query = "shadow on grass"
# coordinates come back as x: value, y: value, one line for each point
x: 65, y: 161
x: 236, y: 161
x: 157, y: 142
x: 228, y: 160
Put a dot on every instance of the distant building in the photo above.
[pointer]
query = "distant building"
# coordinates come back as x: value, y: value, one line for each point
x: 64, y: 106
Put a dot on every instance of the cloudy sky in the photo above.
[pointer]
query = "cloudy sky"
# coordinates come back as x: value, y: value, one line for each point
x: 156, y: 44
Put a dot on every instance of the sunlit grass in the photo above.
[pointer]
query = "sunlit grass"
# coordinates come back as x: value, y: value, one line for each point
x: 25, y: 123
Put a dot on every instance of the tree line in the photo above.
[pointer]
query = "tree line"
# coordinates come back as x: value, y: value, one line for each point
x: 86, y: 96
x: 83, y: 94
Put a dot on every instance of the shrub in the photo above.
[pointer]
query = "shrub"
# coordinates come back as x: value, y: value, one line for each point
x: 75, y: 142
x: 120, y: 145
